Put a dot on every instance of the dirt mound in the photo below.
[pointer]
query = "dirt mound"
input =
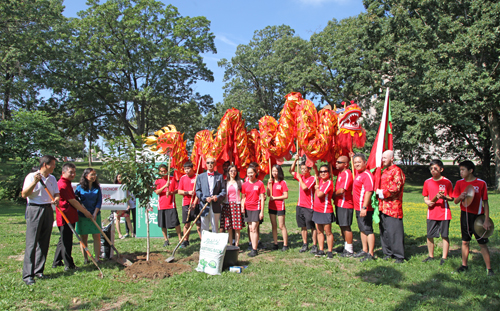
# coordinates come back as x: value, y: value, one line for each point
x: 193, y: 258
x: 155, y: 268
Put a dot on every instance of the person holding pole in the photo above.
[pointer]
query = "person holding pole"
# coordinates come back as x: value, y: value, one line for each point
x: 277, y: 191
x: 304, y: 209
x: 166, y: 188
x: 89, y: 194
x: 344, y: 208
x: 233, y: 221
x: 39, y: 218
x: 390, y: 201
x: 70, y: 207
x: 323, y: 215
x: 190, y: 207
x: 252, y: 204
x: 362, y: 190
x: 210, y: 188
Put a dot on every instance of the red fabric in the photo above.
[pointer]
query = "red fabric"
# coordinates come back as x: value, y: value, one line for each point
x: 480, y: 195
x: 252, y: 193
x: 279, y: 187
x: 392, y: 184
x: 362, y: 183
x: 66, y: 192
x: 306, y: 197
x: 164, y: 201
x: 324, y: 204
x: 441, y: 209
x: 187, y: 183
x: 344, y: 181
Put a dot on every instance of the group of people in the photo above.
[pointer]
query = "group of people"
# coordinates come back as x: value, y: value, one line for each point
x: 226, y: 203
x: 81, y: 207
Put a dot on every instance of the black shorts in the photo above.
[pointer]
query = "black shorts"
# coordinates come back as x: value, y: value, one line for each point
x: 437, y: 227
x: 168, y: 218
x: 323, y: 218
x: 365, y: 224
x: 467, y: 225
x: 275, y: 212
x: 192, y: 214
x: 304, y: 217
x: 253, y: 216
x: 344, y: 216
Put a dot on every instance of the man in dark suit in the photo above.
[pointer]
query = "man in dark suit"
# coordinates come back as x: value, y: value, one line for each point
x: 211, y: 188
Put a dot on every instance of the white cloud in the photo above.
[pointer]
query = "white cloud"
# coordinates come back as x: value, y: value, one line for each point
x: 225, y: 40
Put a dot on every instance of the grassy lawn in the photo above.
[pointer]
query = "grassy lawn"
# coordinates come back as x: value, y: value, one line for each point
x: 272, y: 280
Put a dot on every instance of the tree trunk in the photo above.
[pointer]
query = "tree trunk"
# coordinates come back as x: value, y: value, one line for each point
x: 90, y: 150
x: 495, y: 142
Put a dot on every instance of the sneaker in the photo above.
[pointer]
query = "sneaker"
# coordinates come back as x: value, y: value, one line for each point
x: 320, y: 253
x: 387, y: 257
x: 399, y: 260
x: 367, y: 257
x: 41, y: 276
x: 359, y: 254
x: 29, y: 281
x: 304, y: 248
x: 490, y: 272
x: 329, y: 255
x: 184, y: 244
x: 275, y: 247
x: 249, y: 246
x: 285, y: 248
x: 314, y: 249
x: 253, y: 253
x: 346, y: 254
x: 443, y: 260
x: 70, y: 268
x: 428, y: 259
x: 260, y: 245
x: 59, y: 264
x: 187, y: 243
x: 463, y: 269
x: 167, y: 243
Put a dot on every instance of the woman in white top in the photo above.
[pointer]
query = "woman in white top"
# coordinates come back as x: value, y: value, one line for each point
x: 232, y: 218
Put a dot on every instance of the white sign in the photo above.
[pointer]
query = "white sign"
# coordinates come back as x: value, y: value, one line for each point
x: 111, y: 191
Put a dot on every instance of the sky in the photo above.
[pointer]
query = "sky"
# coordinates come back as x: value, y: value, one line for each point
x: 234, y: 22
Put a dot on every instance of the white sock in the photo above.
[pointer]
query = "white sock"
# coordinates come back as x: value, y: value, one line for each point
x: 348, y: 247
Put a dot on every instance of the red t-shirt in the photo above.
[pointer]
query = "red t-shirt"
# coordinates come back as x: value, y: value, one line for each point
x: 187, y: 183
x: 480, y: 195
x: 252, y: 193
x: 66, y: 192
x: 441, y: 209
x: 164, y: 201
x: 278, y: 188
x: 344, y: 181
x: 324, y: 204
x: 306, y: 197
x: 362, y: 183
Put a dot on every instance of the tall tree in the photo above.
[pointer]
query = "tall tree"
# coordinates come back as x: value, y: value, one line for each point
x: 131, y: 63
x: 26, y: 28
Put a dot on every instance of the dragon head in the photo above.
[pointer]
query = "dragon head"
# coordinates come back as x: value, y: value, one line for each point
x: 348, y: 119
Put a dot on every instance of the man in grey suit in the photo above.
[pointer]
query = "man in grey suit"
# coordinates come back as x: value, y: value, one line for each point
x: 211, y: 188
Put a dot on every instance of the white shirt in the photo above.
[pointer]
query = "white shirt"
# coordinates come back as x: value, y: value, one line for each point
x: 39, y: 195
x: 211, y: 180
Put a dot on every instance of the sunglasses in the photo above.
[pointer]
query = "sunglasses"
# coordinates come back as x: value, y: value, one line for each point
x: 340, y: 162
x: 210, y: 162
x: 323, y: 171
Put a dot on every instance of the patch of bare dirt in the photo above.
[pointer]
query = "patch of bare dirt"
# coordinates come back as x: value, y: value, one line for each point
x: 193, y: 258
x: 155, y: 268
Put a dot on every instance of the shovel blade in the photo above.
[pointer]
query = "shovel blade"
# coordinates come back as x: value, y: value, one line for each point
x: 124, y: 261
x: 170, y: 259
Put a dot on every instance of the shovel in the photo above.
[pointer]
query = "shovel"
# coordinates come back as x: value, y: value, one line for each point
x: 171, y: 258
x: 120, y: 260
x: 73, y: 229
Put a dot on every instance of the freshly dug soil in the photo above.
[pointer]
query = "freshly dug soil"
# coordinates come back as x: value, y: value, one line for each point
x: 155, y: 268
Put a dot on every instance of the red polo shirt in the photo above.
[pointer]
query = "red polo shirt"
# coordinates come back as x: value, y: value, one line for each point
x: 66, y: 192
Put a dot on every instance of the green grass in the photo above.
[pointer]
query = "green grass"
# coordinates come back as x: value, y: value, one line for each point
x: 272, y: 280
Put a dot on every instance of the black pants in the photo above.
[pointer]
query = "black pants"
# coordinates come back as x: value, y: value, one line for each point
x: 392, y: 236
x: 39, y: 221
x: 132, y: 220
x: 64, y: 247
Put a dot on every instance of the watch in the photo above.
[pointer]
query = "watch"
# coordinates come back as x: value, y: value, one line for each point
x: 364, y: 207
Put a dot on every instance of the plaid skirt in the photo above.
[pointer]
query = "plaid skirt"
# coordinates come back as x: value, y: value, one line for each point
x: 232, y: 216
